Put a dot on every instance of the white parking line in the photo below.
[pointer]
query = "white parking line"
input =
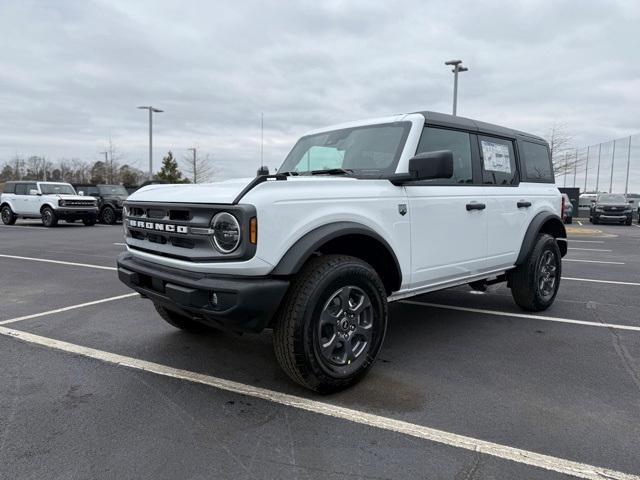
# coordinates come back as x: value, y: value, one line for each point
x: 586, y: 241
x: 590, y: 249
x: 118, y: 243
x: 614, y: 282
x: 66, y: 309
x: 579, y: 223
x: 523, y: 315
x: 45, y: 260
x: 546, y: 462
x: 591, y: 261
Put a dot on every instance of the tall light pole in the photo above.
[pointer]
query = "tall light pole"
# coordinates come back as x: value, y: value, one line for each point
x: 457, y: 67
x: 195, y: 176
x: 152, y: 110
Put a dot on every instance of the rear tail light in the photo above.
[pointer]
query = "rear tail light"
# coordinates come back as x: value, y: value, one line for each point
x: 562, y: 206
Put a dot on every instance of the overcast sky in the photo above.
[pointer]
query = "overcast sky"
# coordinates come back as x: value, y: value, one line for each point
x: 72, y: 72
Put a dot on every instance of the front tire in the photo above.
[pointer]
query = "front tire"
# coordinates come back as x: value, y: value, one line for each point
x: 49, y: 218
x: 534, y: 284
x: 629, y: 222
x: 180, y: 321
x: 331, y: 325
x: 108, y: 216
x: 8, y: 217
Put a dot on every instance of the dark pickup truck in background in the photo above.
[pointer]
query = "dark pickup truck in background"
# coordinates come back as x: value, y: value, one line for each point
x: 611, y: 207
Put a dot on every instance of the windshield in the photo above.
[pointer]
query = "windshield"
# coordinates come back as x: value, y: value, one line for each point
x: 112, y: 190
x: 370, y: 150
x: 57, y: 189
x: 612, y: 199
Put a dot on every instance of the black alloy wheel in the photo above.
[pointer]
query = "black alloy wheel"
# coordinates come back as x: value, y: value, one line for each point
x: 8, y: 218
x: 108, y: 216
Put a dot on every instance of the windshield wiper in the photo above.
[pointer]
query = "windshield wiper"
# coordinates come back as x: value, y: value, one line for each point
x: 332, y: 171
x: 292, y: 173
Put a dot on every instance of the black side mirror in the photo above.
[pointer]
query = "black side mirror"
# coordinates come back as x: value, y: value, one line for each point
x: 429, y: 165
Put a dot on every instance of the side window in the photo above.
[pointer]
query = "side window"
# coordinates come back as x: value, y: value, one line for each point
x: 536, y: 163
x: 434, y: 139
x: 21, y: 189
x: 498, y: 161
x: 31, y: 186
x: 9, y: 187
x: 91, y: 191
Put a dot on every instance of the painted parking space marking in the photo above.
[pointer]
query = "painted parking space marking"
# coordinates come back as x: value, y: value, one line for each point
x: 534, y: 459
x: 119, y: 243
x: 586, y: 241
x: 523, y: 315
x: 590, y: 249
x: 591, y: 261
x: 613, y: 282
x: 66, y: 309
x: 60, y: 262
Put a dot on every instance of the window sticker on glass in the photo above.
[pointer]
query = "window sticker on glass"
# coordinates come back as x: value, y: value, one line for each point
x: 496, y: 157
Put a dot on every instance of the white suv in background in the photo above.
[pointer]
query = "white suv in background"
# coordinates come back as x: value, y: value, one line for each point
x: 358, y: 215
x: 49, y: 201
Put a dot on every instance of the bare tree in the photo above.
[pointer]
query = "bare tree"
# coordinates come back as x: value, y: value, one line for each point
x: 111, y: 162
x: 198, y: 167
x: 563, y: 154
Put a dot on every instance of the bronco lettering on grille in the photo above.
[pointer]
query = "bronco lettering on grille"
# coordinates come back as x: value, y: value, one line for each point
x: 161, y: 227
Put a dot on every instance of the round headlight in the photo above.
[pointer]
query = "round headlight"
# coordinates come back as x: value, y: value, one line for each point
x: 226, y: 232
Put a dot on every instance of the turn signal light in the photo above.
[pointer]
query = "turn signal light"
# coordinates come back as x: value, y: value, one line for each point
x: 253, y: 231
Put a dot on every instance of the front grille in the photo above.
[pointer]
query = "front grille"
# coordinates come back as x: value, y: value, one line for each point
x: 79, y: 203
x: 182, y: 230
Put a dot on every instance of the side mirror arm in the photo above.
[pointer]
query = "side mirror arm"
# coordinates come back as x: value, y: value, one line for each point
x: 399, y: 179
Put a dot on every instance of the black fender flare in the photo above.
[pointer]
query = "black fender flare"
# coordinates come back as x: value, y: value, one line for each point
x: 543, y: 222
x: 293, y: 260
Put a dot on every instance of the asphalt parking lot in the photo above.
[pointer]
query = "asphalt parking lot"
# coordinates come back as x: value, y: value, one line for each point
x: 95, y: 385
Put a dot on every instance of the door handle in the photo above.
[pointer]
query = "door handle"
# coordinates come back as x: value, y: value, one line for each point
x: 476, y: 206
x: 523, y: 204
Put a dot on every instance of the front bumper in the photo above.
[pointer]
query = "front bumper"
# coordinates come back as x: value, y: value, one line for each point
x: 71, y: 213
x: 242, y: 304
x: 613, y: 217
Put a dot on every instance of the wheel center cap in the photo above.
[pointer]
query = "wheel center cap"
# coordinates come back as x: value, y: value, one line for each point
x: 344, y: 324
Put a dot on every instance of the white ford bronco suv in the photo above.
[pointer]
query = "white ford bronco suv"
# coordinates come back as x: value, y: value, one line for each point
x: 49, y: 201
x: 358, y: 215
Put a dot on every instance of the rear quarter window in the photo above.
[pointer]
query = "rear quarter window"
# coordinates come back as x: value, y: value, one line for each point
x: 9, y: 188
x: 536, y: 163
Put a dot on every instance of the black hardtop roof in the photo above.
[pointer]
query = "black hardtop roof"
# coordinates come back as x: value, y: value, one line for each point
x: 445, y: 120
x: 35, y: 181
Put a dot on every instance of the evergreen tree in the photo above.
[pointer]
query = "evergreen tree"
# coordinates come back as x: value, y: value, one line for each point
x: 169, y: 171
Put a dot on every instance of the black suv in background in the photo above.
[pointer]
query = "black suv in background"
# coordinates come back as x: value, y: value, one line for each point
x: 611, y: 207
x: 110, y: 200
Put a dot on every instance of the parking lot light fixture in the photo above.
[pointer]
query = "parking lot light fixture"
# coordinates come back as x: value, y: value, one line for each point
x: 457, y: 67
x: 152, y: 110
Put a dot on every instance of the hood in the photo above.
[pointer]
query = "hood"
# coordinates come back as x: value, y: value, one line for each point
x: 218, y: 192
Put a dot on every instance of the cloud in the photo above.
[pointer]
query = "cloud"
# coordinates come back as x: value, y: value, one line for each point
x: 73, y: 72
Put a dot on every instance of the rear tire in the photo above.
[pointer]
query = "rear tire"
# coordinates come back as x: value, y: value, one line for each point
x: 89, y: 222
x: 49, y: 218
x: 629, y: 222
x: 534, y: 284
x: 8, y: 217
x: 569, y: 220
x: 180, y: 321
x: 331, y: 325
x: 108, y: 215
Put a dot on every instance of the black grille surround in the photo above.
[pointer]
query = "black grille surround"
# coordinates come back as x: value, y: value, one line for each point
x: 182, y: 230
x: 79, y: 203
